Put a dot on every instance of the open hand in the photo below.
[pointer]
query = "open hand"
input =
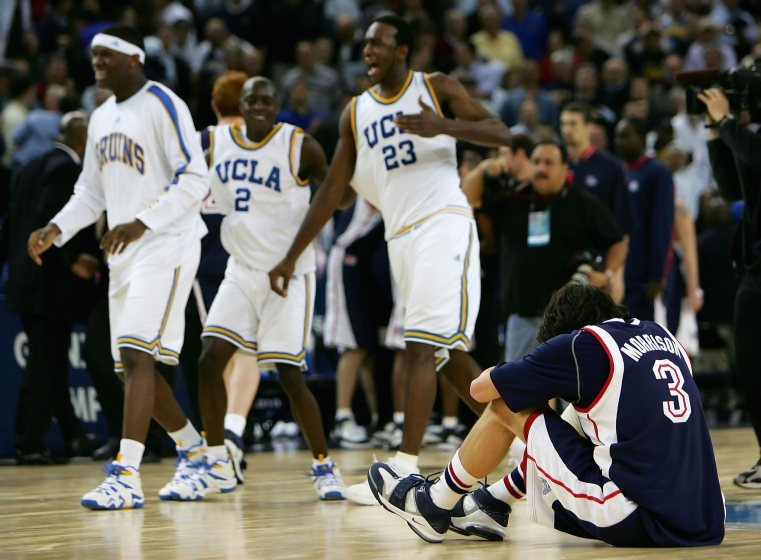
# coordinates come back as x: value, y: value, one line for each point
x: 41, y: 240
x: 116, y: 240
x: 426, y: 123
x: 716, y: 103
x: 283, y: 270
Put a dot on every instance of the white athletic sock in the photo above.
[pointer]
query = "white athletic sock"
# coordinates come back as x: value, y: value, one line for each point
x: 217, y: 451
x: 510, y: 489
x: 374, y: 419
x: 185, y: 437
x: 449, y: 422
x: 399, y: 418
x: 236, y: 423
x: 322, y: 460
x: 130, y: 453
x: 344, y: 413
x: 409, y: 460
x: 452, y: 485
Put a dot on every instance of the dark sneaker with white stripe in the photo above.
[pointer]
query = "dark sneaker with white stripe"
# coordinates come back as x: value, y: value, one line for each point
x: 750, y: 479
x: 410, y: 499
x: 234, y: 445
x: 482, y: 515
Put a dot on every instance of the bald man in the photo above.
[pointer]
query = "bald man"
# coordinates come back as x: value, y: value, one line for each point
x: 50, y: 298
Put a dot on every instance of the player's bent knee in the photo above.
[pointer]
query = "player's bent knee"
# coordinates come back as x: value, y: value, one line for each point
x: 419, y: 354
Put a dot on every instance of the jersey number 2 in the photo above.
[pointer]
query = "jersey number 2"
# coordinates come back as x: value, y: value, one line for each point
x: 680, y: 411
x: 390, y: 155
x: 241, y: 201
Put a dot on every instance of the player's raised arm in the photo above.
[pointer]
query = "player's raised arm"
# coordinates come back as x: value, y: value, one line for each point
x: 325, y: 202
x: 473, y: 124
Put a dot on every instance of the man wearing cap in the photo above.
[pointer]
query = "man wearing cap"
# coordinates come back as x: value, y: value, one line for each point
x: 709, y: 32
x: 143, y: 167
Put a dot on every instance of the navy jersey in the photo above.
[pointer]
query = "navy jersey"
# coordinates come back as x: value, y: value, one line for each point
x: 632, y: 387
x: 602, y: 174
x: 651, y: 190
x: 213, y: 255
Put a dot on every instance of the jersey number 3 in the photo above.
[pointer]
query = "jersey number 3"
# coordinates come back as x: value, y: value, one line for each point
x: 389, y: 155
x: 680, y: 410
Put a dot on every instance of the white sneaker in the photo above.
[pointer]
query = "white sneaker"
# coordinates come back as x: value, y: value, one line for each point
x: 362, y: 494
x: 214, y: 475
x: 188, y: 462
x: 433, y: 434
x: 327, y: 481
x: 347, y: 434
x: 750, y: 478
x: 122, y: 489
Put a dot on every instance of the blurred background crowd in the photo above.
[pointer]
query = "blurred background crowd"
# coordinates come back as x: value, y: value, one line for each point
x: 524, y: 60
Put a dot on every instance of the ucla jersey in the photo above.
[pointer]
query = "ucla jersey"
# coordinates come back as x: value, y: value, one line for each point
x: 407, y: 177
x: 142, y: 161
x: 258, y: 189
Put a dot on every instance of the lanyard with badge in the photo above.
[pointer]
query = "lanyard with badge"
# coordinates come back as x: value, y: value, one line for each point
x: 538, y: 227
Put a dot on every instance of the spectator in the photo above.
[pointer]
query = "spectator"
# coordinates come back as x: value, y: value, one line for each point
x: 50, y: 297
x: 538, y: 248
x: 219, y: 47
x: 488, y: 74
x: 323, y: 82
x: 652, y: 196
x: 587, y: 92
x: 529, y: 88
x: 334, y: 10
x: 56, y: 72
x: 586, y: 48
x: 471, y: 86
x: 728, y: 13
x: 607, y: 19
x: 646, y: 55
x: 15, y: 113
x: 598, y: 135
x: 165, y: 66
x: 528, y: 119
x: 530, y: 28
x: 690, y: 132
x: 347, y: 50
x: 708, y: 33
x: 290, y: 22
x: 37, y: 133
x: 494, y: 43
x: 185, y: 44
x: 615, y: 84
x: 245, y: 19
x: 674, y: 24
x: 299, y: 112
x: 455, y: 32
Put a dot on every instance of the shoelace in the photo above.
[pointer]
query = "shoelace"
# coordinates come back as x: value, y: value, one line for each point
x: 323, y: 474
x: 112, y: 471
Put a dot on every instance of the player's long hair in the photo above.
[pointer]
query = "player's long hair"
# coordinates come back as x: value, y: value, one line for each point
x: 577, y: 305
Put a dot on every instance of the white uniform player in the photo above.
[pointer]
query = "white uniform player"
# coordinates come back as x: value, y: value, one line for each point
x: 258, y: 189
x: 142, y: 162
x: 415, y: 183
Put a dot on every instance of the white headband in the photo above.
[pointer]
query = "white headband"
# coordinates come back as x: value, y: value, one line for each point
x: 118, y: 45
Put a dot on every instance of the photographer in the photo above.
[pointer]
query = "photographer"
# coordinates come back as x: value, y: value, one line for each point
x: 731, y: 140
x: 543, y: 226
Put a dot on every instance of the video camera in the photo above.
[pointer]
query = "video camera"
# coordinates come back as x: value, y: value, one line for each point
x: 742, y: 86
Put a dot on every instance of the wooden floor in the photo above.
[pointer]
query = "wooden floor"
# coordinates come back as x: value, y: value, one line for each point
x: 276, y: 515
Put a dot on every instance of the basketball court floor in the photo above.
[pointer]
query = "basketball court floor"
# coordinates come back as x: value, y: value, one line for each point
x: 276, y: 514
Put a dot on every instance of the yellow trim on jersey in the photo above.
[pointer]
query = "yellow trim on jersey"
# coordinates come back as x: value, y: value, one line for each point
x: 388, y: 100
x: 235, y: 129
x: 307, y: 316
x: 448, y: 209
x: 464, y: 294
x: 294, y: 171
x: 433, y: 94
x: 446, y: 341
x: 169, y: 303
x: 354, y: 119
x: 211, y: 148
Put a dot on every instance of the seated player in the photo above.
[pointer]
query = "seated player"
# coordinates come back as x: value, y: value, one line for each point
x: 630, y: 463
x: 260, y: 177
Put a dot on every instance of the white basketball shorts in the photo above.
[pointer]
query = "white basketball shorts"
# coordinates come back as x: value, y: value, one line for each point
x: 437, y: 268
x: 248, y: 314
x: 147, y: 297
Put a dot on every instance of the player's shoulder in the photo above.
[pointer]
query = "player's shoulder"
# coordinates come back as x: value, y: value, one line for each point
x: 162, y: 99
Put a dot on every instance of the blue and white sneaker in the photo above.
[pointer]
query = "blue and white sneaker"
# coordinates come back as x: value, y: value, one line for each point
x: 234, y: 445
x: 327, y: 481
x: 187, y: 464
x: 750, y: 478
x: 410, y: 499
x: 481, y: 514
x: 213, y: 475
x: 122, y: 489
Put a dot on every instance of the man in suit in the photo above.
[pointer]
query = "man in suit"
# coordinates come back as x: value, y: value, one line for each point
x: 49, y: 298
